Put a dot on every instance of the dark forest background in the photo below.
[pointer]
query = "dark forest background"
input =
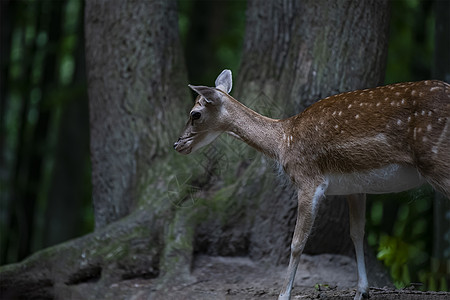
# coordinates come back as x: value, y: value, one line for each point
x: 45, y: 171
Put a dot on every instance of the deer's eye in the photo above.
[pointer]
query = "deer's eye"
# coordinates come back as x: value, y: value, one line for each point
x: 195, y: 115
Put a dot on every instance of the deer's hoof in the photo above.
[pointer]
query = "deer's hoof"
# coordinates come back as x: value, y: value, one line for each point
x: 361, y: 295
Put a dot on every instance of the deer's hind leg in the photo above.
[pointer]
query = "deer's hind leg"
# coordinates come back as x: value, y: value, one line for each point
x: 433, y: 161
x: 357, y: 210
x: 436, y: 171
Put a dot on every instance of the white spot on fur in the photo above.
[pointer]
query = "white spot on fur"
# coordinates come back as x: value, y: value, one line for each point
x: 434, y: 88
x: 357, y: 117
x: 443, y: 135
x: 381, y: 137
x: 429, y: 127
x: 289, y: 140
x: 399, y: 122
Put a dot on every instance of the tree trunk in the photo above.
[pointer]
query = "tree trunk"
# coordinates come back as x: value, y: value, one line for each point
x: 136, y: 78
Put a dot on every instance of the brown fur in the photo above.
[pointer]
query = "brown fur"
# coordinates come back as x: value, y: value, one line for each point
x: 361, y: 130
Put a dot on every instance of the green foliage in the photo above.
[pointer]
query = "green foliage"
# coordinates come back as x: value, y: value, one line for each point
x: 399, y: 226
x: 436, y: 277
x: 411, y: 42
x: 395, y: 253
x: 321, y: 287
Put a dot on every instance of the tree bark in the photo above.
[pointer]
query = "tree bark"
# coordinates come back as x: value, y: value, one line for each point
x: 136, y: 78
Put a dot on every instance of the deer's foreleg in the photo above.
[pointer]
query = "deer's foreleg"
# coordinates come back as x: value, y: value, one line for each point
x: 308, y: 202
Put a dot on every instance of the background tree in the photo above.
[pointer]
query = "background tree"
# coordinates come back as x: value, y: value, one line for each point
x: 134, y: 103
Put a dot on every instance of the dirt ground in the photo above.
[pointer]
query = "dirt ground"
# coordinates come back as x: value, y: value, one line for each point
x: 232, y: 278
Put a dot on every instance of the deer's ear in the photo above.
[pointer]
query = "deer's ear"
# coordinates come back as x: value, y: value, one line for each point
x: 224, y: 81
x: 211, y: 95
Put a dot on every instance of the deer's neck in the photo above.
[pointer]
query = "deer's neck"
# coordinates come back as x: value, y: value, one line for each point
x: 262, y: 133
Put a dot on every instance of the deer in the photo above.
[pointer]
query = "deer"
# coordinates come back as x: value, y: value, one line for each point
x: 386, y: 139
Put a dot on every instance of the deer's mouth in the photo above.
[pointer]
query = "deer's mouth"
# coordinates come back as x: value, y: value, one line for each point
x: 183, y: 145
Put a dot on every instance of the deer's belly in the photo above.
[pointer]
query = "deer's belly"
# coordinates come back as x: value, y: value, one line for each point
x: 390, y: 179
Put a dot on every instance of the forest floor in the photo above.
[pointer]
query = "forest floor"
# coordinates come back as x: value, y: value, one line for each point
x: 232, y: 278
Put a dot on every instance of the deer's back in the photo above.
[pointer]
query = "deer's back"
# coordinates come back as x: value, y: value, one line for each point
x: 406, y: 124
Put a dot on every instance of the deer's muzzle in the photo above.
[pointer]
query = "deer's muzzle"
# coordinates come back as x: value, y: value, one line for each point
x: 183, y: 145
